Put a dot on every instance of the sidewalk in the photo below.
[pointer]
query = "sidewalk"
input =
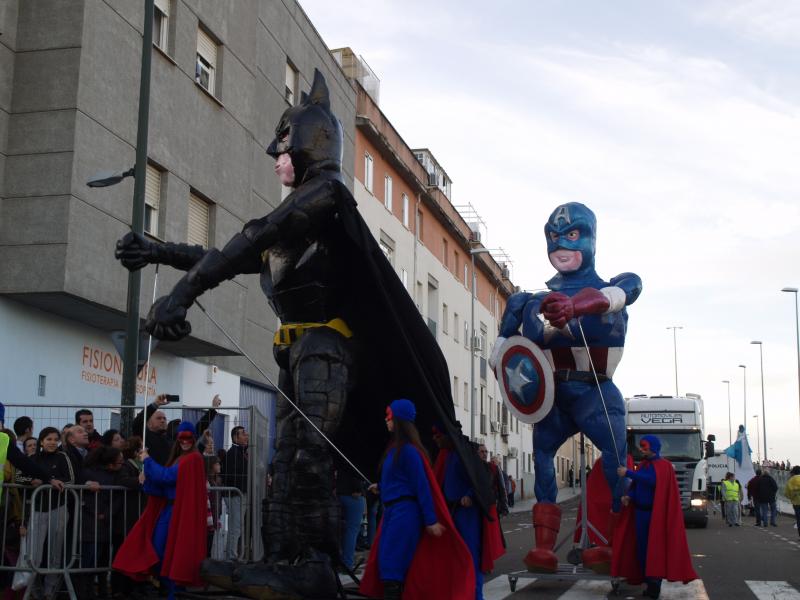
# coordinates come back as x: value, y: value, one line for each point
x: 564, y: 494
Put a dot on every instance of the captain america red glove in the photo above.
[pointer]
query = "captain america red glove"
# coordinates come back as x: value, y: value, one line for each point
x: 559, y: 308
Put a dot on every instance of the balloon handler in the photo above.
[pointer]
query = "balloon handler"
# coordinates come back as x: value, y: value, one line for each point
x: 650, y: 543
x: 573, y: 334
x: 348, y: 328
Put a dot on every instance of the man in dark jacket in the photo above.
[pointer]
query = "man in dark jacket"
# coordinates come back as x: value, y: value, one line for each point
x: 496, y: 479
x: 765, y: 490
x: 85, y: 419
x: 751, y: 487
x: 234, y: 474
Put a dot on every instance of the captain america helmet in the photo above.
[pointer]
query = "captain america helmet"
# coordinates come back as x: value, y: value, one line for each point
x: 572, y: 226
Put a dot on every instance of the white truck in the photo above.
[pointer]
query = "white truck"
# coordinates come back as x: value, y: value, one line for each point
x: 678, y: 423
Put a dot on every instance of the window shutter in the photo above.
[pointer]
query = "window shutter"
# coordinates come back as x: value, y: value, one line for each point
x: 163, y: 6
x: 152, y: 187
x: 206, y: 47
x: 198, y: 221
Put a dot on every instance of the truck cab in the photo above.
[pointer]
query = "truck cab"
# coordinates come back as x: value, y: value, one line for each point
x: 678, y: 423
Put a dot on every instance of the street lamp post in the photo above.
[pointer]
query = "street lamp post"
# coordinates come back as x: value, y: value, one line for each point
x: 793, y: 290
x: 130, y: 355
x: 758, y: 443
x: 744, y: 388
x: 473, y: 252
x: 730, y: 431
x: 763, y: 406
x: 675, y: 353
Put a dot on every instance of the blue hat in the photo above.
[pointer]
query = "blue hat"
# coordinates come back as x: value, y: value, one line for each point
x: 653, y: 441
x: 2, y: 413
x: 186, y: 426
x: 402, y: 410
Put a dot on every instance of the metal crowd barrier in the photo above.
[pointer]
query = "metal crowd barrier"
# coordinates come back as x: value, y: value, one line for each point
x: 74, y: 534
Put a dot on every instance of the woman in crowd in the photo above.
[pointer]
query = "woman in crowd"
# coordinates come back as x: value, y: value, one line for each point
x: 170, y: 536
x: 416, y: 526
x: 113, y: 439
x: 49, y: 516
x: 29, y: 447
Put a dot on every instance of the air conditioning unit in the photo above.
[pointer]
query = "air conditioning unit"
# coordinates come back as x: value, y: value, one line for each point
x: 512, y: 452
x: 495, y: 426
x: 477, y: 343
x: 504, y: 429
x: 505, y: 273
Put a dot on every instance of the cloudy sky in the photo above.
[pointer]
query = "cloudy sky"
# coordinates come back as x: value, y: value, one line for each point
x: 677, y: 122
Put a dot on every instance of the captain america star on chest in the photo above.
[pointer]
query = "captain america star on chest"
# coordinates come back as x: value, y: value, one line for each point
x: 581, y: 310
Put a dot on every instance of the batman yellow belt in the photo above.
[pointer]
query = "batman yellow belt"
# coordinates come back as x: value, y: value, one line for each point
x: 290, y: 332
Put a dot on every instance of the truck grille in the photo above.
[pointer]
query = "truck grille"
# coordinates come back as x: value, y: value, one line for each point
x: 684, y: 473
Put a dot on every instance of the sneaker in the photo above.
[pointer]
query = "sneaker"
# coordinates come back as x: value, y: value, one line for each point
x: 774, y: 524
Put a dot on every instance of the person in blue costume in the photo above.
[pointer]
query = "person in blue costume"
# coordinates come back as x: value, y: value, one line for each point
x: 407, y: 498
x: 580, y: 303
x: 642, y: 495
x: 170, y: 537
x: 459, y: 495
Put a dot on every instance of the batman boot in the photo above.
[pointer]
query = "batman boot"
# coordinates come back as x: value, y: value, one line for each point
x: 308, y: 577
x: 598, y: 558
x: 547, y: 522
x: 392, y: 590
x: 219, y: 573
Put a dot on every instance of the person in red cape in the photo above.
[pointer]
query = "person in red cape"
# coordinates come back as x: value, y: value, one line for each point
x: 417, y: 553
x: 169, y: 539
x: 650, y: 543
x: 485, y: 541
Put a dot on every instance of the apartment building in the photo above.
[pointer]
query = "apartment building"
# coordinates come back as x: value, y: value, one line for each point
x: 222, y: 74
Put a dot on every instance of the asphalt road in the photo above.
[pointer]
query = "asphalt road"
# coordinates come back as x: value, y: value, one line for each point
x: 733, y: 562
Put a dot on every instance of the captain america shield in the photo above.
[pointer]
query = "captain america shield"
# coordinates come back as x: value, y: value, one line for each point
x: 526, y: 379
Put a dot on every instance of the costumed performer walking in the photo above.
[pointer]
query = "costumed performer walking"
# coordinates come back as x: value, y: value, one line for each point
x: 169, y: 539
x: 654, y: 527
x: 481, y: 533
x: 417, y: 552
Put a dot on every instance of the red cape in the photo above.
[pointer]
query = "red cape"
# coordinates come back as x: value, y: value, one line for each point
x: 441, y: 567
x: 598, y: 502
x: 667, y: 549
x: 492, y: 545
x: 186, y: 540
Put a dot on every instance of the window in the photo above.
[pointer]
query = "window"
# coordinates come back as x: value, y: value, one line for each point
x: 467, y: 403
x: 405, y: 211
x: 387, y: 192
x: 152, y: 199
x: 455, y: 327
x: 455, y: 263
x: 387, y: 245
x: 42, y: 389
x: 368, y: 172
x: 161, y: 24
x: 445, y: 319
x: 455, y: 391
x: 445, y: 252
x: 199, y: 219
x: 419, y: 226
x: 290, y: 92
x: 466, y: 276
x: 205, y: 68
x: 404, y: 278
x: 466, y: 334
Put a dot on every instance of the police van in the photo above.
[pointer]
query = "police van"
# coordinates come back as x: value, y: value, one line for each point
x: 678, y: 423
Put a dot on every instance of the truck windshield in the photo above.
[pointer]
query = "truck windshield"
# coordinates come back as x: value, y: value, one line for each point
x: 681, y: 446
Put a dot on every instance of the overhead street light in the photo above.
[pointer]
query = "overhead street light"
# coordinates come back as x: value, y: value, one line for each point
x: 730, y: 431
x: 763, y: 406
x: 758, y: 443
x: 744, y: 388
x: 793, y: 290
x: 130, y: 356
x: 107, y: 178
x: 675, y: 352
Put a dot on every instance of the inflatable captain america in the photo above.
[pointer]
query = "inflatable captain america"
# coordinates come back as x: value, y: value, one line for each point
x: 579, y: 304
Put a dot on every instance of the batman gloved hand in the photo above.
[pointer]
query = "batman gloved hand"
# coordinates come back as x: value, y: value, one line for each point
x: 559, y: 308
x: 135, y: 251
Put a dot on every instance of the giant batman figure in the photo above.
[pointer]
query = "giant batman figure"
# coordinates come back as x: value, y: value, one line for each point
x: 351, y: 341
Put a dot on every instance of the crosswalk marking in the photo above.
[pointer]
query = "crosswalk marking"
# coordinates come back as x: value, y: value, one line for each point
x: 773, y: 590
x: 592, y: 589
x: 499, y: 588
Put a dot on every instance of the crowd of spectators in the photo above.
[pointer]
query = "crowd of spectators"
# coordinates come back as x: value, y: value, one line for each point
x: 108, y: 469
